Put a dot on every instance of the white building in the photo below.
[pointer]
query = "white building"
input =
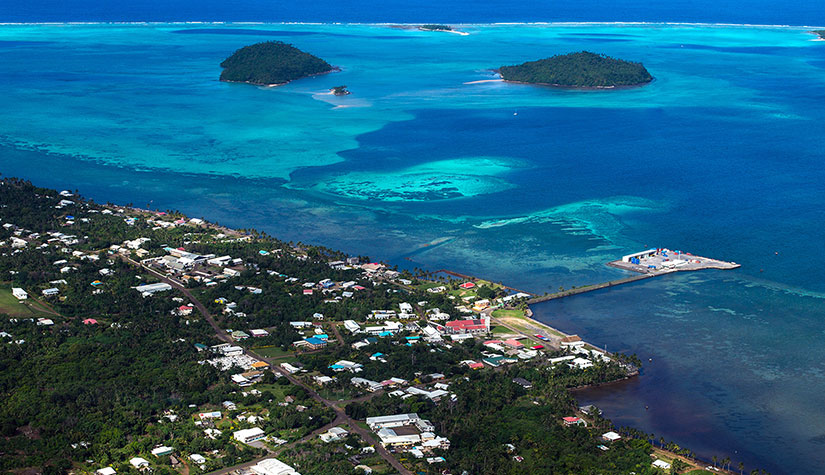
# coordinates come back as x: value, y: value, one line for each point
x: 19, y: 293
x: 139, y: 462
x: 106, y: 471
x: 161, y: 451
x: 149, y: 289
x: 247, y: 436
x: 273, y: 467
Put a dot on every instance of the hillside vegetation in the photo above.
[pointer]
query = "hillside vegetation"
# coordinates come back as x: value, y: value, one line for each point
x: 272, y: 62
x: 583, y: 69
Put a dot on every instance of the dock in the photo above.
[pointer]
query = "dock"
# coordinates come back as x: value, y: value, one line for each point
x: 646, y: 264
x: 664, y: 261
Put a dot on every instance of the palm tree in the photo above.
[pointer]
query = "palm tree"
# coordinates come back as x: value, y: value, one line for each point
x: 741, y: 467
x: 714, y: 460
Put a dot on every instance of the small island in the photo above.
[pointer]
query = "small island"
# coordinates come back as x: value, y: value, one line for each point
x: 271, y: 63
x: 434, y: 27
x: 820, y: 33
x: 578, y: 70
x: 442, y: 28
x: 340, y: 91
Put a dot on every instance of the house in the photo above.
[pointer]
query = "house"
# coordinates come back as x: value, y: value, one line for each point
x: 523, y: 383
x: 272, y: 467
x: 247, y: 436
x: 367, y: 384
x: 611, y: 436
x: 335, y: 433
x: 258, y: 333
x: 291, y: 368
x: 139, y: 462
x: 322, y: 380
x: 198, y: 459
x: 580, y: 363
x: 50, y: 292
x: 352, y: 326
x: 19, y: 293
x: 185, y: 310
x: 314, y: 343
x: 210, y: 415
x: 513, y: 343
x: 573, y: 421
x: 90, y: 321
x: 162, y: 450
x: 661, y: 464
x: 239, y: 335
x: 45, y: 322
x: 590, y: 409
x: 106, y: 471
x: 571, y: 341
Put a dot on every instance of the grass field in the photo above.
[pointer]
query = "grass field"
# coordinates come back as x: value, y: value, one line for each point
x: 271, y: 352
x: 11, y: 306
x: 499, y: 313
x: 500, y: 330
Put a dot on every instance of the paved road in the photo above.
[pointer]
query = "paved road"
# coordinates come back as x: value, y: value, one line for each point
x: 340, y: 415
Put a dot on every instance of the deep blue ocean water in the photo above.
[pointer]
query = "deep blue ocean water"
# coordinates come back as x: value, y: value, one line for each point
x: 765, y: 12
x: 425, y: 166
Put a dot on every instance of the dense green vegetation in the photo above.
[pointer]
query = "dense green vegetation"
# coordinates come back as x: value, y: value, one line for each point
x: 491, y: 411
x: 340, y: 91
x: 584, y: 69
x: 271, y: 62
x: 434, y: 27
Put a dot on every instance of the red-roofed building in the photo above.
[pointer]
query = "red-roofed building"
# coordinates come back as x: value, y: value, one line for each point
x: 476, y: 365
x: 185, y: 310
x: 513, y: 343
x: 466, y: 326
x: 307, y: 291
x: 467, y: 285
x: 90, y: 321
x: 537, y: 347
x: 572, y: 421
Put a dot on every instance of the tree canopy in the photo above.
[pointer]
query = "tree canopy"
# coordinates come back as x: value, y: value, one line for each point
x: 271, y: 62
x: 583, y: 69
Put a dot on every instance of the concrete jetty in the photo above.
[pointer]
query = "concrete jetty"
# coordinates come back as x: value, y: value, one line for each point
x: 664, y: 261
x: 647, y: 264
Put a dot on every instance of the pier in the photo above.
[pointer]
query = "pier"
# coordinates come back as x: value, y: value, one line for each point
x: 646, y: 264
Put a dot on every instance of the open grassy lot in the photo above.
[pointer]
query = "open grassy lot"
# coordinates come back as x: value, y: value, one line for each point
x: 13, y: 307
x: 271, y: 351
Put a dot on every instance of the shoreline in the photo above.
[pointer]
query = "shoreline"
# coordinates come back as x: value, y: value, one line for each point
x: 335, y: 69
x: 579, y: 88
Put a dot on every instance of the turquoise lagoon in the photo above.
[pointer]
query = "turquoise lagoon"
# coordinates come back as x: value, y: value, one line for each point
x: 433, y: 163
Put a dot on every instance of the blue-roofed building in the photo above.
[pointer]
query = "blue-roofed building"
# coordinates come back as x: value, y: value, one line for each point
x: 315, y: 343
